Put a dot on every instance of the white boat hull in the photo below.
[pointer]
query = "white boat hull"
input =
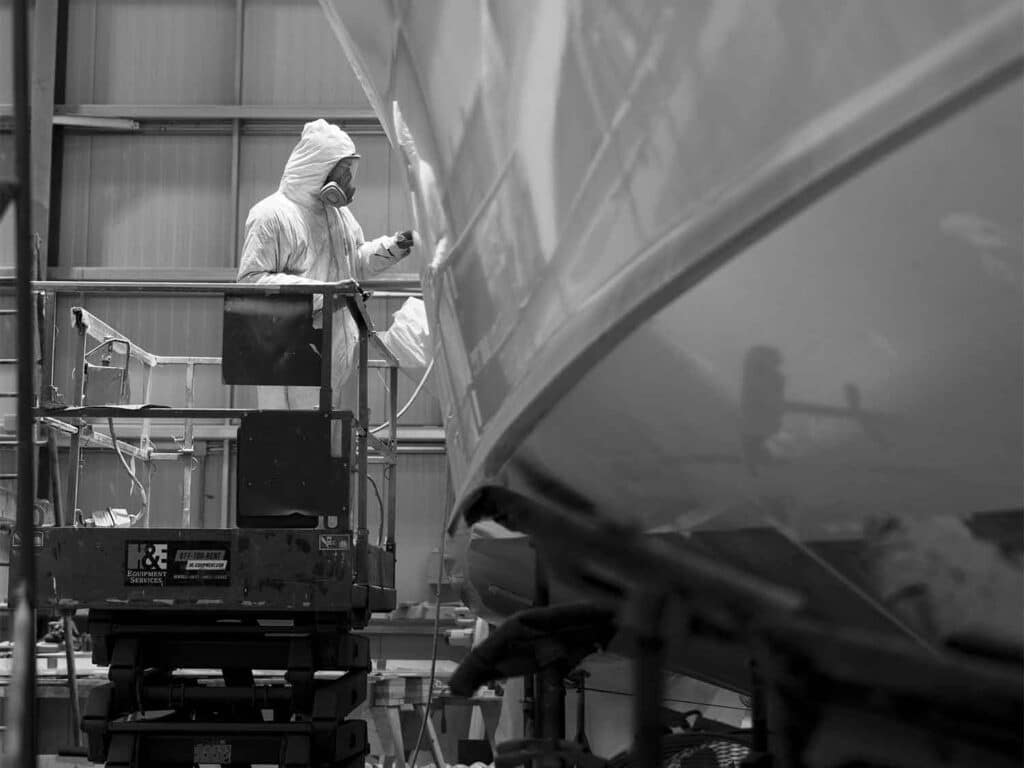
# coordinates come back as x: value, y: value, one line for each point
x: 689, y: 270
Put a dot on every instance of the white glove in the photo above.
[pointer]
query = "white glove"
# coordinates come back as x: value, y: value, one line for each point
x: 400, y: 245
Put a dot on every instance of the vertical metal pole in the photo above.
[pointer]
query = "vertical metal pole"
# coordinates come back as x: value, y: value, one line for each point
x: 56, y: 488
x: 48, y: 346
x: 392, y: 489
x: 46, y: 397
x: 74, y: 708
x: 225, y: 484
x: 188, y: 449
x: 147, y: 390
x: 549, y: 687
x: 75, y: 449
x: 327, y: 356
x: 25, y: 591
x: 326, y: 377
x: 45, y: 25
x: 758, y: 710
x: 648, y: 667
x: 236, y: 129
x: 362, y: 532
x: 346, y: 466
x: 146, y: 444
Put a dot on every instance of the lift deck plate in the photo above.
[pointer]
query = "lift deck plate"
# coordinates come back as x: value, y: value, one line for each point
x: 217, y: 570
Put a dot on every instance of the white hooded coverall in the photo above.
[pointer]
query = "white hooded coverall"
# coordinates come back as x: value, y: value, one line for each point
x: 293, y: 237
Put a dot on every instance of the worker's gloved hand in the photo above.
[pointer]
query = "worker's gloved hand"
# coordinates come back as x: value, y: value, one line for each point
x: 401, y: 244
x: 405, y: 240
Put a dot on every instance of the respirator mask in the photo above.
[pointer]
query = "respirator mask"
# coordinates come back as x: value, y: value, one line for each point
x: 332, y: 194
x: 339, y: 190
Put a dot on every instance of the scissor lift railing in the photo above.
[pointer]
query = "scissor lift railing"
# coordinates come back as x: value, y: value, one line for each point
x: 72, y: 418
x: 89, y: 327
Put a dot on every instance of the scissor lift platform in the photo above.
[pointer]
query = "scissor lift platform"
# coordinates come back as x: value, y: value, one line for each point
x: 164, y: 600
x: 183, y: 617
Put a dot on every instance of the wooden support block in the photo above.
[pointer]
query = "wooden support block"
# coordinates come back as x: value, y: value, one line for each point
x: 417, y: 690
x: 388, y: 691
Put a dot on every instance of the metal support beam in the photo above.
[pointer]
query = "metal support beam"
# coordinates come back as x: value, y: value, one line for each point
x: 188, y: 450
x: 390, y: 470
x: 648, y: 666
x: 398, y: 284
x: 236, y: 159
x: 362, y: 448
x: 22, y: 716
x: 75, y: 450
x: 44, y: 78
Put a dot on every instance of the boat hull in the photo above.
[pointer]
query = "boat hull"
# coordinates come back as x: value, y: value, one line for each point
x: 696, y: 269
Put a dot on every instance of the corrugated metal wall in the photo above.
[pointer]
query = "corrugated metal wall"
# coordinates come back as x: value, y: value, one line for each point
x: 163, y: 201
x: 291, y: 57
x: 175, y: 52
x: 6, y: 73
x: 146, y: 201
x: 6, y: 140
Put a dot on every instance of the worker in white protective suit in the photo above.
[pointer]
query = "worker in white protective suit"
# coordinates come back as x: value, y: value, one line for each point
x: 305, y: 233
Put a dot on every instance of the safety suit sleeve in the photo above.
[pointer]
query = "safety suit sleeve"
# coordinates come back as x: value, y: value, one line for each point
x: 265, y: 252
x: 376, y: 255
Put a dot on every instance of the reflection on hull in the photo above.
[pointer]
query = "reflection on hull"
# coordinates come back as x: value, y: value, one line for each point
x: 638, y: 298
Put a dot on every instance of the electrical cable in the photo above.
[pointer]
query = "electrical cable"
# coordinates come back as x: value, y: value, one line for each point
x: 409, y: 402
x: 380, y: 506
x: 437, y: 611
x: 130, y: 471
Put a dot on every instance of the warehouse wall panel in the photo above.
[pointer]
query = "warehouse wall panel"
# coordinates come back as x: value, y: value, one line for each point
x: 6, y: 70
x: 146, y: 201
x: 170, y: 52
x: 292, y: 57
x: 261, y: 163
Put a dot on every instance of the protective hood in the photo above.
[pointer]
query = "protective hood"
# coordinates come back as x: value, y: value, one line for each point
x: 321, y: 146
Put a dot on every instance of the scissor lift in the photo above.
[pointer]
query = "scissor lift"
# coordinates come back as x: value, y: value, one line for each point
x: 285, y: 590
